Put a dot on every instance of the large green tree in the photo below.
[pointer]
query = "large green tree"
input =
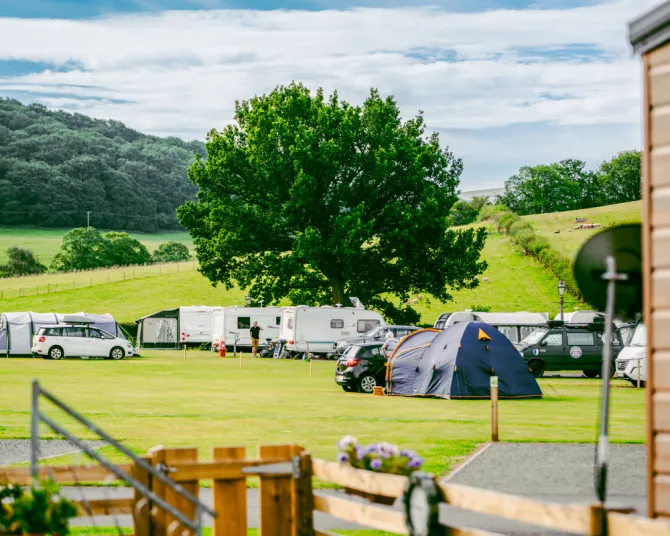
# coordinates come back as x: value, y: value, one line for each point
x: 620, y: 178
x: 317, y: 200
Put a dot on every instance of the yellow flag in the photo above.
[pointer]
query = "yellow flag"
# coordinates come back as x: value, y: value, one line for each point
x: 483, y: 336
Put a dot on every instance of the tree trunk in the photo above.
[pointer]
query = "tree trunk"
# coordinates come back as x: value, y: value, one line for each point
x: 338, y: 291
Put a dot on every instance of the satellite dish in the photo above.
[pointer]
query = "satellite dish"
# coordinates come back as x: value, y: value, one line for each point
x: 624, y: 244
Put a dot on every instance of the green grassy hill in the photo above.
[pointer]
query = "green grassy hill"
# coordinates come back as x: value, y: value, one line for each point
x: 45, y: 243
x: 568, y: 243
x: 516, y: 283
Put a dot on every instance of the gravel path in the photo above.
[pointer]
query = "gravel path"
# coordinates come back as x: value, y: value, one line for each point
x: 18, y: 450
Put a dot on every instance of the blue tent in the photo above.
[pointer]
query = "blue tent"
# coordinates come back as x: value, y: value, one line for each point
x: 458, y: 362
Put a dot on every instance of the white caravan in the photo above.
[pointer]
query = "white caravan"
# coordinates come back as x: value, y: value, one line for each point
x: 233, y: 323
x: 515, y: 326
x: 322, y: 327
x: 196, y: 323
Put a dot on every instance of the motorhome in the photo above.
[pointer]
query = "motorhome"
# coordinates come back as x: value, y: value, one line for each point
x: 231, y: 325
x: 632, y: 361
x: 515, y: 326
x: 319, y: 328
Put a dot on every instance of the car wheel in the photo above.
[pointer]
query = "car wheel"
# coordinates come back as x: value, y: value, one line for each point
x: 367, y: 384
x: 591, y: 373
x: 537, y: 368
x: 348, y: 389
x: 56, y: 353
x: 117, y: 353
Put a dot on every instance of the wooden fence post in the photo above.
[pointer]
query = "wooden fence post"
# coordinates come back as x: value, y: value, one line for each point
x: 158, y: 516
x: 141, y: 505
x: 230, y: 497
x: 274, y: 492
x: 302, y: 498
x: 174, y: 456
x: 494, y: 408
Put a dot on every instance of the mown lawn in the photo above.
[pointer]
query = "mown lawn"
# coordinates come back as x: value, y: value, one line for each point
x: 208, y: 401
x: 45, y: 243
x: 516, y: 283
x: 568, y: 243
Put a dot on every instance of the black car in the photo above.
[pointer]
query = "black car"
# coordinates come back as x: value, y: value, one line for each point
x: 361, y: 368
x: 567, y: 347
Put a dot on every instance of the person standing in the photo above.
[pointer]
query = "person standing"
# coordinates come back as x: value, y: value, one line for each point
x: 255, y: 332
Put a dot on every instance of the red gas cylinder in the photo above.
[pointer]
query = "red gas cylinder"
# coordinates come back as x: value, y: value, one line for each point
x: 222, y: 350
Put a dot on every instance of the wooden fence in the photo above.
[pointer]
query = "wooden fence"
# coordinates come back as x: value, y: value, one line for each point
x: 287, y: 499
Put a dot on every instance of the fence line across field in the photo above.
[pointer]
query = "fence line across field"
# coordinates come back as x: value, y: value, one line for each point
x: 89, y: 278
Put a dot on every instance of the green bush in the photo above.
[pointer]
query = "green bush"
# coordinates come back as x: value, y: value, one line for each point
x: 489, y: 211
x: 508, y: 219
x: 537, y: 244
x: 523, y: 237
x: 521, y: 225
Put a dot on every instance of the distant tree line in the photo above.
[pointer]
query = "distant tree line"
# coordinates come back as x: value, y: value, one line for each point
x: 86, y: 249
x: 557, y: 187
x: 55, y: 166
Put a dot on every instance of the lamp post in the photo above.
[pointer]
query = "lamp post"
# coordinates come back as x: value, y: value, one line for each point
x: 561, y: 291
x: 247, y: 299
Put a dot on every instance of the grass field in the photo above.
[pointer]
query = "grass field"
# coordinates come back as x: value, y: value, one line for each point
x: 569, y: 243
x: 517, y: 283
x: 45, y: 243
x: 207, y: 401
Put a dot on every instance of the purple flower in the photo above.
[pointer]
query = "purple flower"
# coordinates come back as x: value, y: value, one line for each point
x: 346, y: 442
x: 342, y: 457
x: 361, y: 451
x: 385, y: 454
x: 415, y: 463
x: 375, y: 464
x: 372, y: 449
x: 407, y: 453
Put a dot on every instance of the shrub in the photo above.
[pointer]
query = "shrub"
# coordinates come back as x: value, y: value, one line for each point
x: 489, y: 211
x: 508, y: 219
x: 22, y: 261
x: 520, y: 225
x: 171, y: 252
x: 537, y: 244
x: 481, y: 308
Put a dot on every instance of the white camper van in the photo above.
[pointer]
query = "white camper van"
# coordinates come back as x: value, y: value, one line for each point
x: 322, y: 327
x: 234, y: 322
x: 515, y: 326
x: 634, y: 357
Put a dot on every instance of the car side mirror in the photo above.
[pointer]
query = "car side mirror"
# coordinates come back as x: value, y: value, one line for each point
x: 378, y: 336
x: 543, y: 343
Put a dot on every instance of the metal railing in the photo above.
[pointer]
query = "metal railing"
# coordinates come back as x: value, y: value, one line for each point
x: 157, y: 472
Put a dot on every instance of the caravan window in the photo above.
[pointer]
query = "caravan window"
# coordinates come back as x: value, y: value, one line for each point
x: 509, y: 331
x: 336, y: 323
x: 243, y: 322
x: 363, y: 326
x: 278, y: 320
x: 580, y: 338
x: 289, y: 324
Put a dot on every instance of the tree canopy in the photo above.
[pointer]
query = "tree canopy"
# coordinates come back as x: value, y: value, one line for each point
x: 21, y: 261
x: 55, y: 166
x: 569, y: 185
x: 86, y: 248
x: 171, y: 252
x: 317, y: 200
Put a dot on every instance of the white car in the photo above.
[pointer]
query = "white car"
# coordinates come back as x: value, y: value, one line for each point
x: 67, y: 340
x: 634, y: 356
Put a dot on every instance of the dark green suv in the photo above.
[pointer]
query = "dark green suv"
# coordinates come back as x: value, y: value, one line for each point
x: 568, y: 347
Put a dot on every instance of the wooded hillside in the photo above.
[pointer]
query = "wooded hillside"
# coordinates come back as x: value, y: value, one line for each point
x: 55, y: 166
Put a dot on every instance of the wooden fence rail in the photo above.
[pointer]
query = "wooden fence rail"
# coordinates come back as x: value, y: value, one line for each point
x: 287, y: 500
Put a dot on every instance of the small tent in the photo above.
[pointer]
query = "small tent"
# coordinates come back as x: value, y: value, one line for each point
x: 17, y: 329
x: 458, y: 362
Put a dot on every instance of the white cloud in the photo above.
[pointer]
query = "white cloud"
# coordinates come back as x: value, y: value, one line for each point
x: 179, y: 72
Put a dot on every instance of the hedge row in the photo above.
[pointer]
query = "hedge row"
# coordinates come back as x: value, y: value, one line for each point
x: 524, y: 234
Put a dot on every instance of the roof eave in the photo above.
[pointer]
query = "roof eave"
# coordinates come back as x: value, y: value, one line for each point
x: 651, y: 30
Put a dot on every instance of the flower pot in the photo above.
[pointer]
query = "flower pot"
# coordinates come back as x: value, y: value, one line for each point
x: 372, y: 497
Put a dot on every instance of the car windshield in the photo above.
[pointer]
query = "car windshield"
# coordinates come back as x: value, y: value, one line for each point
x: 640, y: 336
x: 372, y: 332
x: 41, y: 331
x: 106, y: 334
x: 535, y: 337
x: 351, y: 352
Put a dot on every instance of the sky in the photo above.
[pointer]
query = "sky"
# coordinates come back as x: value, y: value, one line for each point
x: 505, y: 83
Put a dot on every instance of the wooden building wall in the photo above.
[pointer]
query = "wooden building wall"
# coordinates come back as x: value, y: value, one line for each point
x: 656, y: 270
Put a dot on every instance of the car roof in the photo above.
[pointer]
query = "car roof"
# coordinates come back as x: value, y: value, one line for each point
x: 66, y: 325
x: 367, y: 344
